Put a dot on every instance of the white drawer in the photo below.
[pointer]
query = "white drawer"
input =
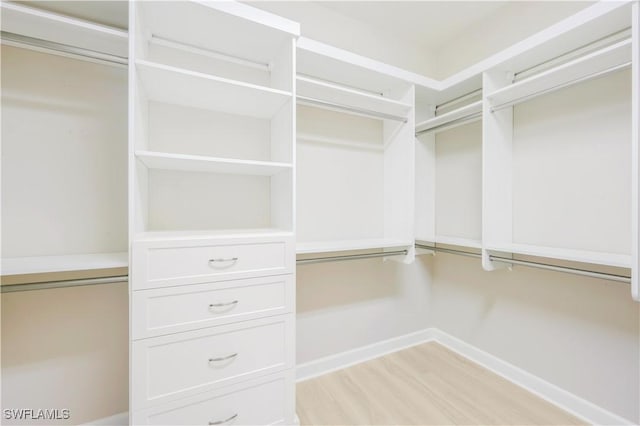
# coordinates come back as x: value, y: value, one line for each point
x: 264, y: 401
x: 162, y: 263
x: 182, y: 364
x: 176, y: 309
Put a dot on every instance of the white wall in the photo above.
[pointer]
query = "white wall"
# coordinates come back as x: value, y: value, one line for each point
x: 345, y: 305
x: 66, y: 349
x: 578, y: 333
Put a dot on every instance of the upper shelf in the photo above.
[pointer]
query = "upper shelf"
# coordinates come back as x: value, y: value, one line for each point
x: 451, y: 118
x: 357, y: 100
x: 22, y: 270
x: 587, y: 26
x: 332, y: 64
x: 257, y: 35
x: 177, y: 86
x: 591, y: 65
x: 49, y: 26
x: 198, y: 163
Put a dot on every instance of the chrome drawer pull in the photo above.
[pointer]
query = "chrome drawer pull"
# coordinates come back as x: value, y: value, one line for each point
x: 223, y: 358
x: 215, y: 263
x: 221, y: 422
x: 222, y: 305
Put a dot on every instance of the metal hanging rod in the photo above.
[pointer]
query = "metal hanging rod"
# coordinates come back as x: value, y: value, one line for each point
x: 453, y: 123
x: 459, y: 99
x: 537, y: 265
x: 566, y: 269
x: 352, y: 110
x: 351, y: 257
x: 335, y: 83
x: 159, y: 41
x: 60, y: 49
x: 450, y: 251
x: 62, y: 284
x: 561, y: 86
x: 579, y: 51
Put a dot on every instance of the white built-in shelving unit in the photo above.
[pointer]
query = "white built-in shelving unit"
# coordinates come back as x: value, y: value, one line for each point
x: 577, y: 69
x: 215, y: 116
x: 62, y: 220
x: 354, y: 152
x: 448, y: 175
x: 505, y: 189
x: 212, y: 172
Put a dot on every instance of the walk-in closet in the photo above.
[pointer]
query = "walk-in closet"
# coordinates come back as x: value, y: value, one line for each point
x: 320, y: 212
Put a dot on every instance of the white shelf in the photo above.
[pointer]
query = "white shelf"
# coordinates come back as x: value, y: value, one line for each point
x: 197, y: 163
x: 457, y: 241
x: 335, y: 94
x: 584, y: 256
x: 257, y: 35
x: 440, y: 121
x: 205, y: 234
x: 349, y: 245
x: 583, y: 67
x: 178, y: 86
x: 337, y: 65
x: 20, y: 270
x: 40, y: 24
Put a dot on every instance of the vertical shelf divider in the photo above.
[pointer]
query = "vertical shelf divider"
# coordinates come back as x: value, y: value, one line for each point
x: 399, y: 172
x: 635, y: 152
x: 425, y: 159
x: 497, y: 176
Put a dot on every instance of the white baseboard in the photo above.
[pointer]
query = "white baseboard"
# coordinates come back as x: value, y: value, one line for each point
x: 120, y: 419
x: 563, y: 399
x: 355, y: 356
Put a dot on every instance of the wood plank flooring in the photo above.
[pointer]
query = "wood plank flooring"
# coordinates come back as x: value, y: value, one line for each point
x: 423, y: 385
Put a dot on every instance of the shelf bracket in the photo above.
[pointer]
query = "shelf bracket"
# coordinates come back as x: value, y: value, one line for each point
x: 490, y: 264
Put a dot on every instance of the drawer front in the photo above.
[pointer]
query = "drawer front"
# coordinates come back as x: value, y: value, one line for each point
x: 176, y: 309
x: 161, y: 264
x: 182, y: 364
x: 264, y: 402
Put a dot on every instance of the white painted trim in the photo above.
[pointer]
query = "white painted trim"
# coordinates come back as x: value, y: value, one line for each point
x: 120, y: 419
x: 346, y: 359
x: 581, y: 408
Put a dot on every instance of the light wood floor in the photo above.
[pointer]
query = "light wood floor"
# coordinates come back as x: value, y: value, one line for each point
x: 427, y: 385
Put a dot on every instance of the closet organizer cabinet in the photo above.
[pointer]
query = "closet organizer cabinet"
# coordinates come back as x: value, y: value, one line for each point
x: 355, y: 153
x: 212, y: 116
x: 63, y: 155
x: 559, y: 122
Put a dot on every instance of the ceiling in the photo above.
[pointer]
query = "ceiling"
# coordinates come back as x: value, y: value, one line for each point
x: 426, y: 23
